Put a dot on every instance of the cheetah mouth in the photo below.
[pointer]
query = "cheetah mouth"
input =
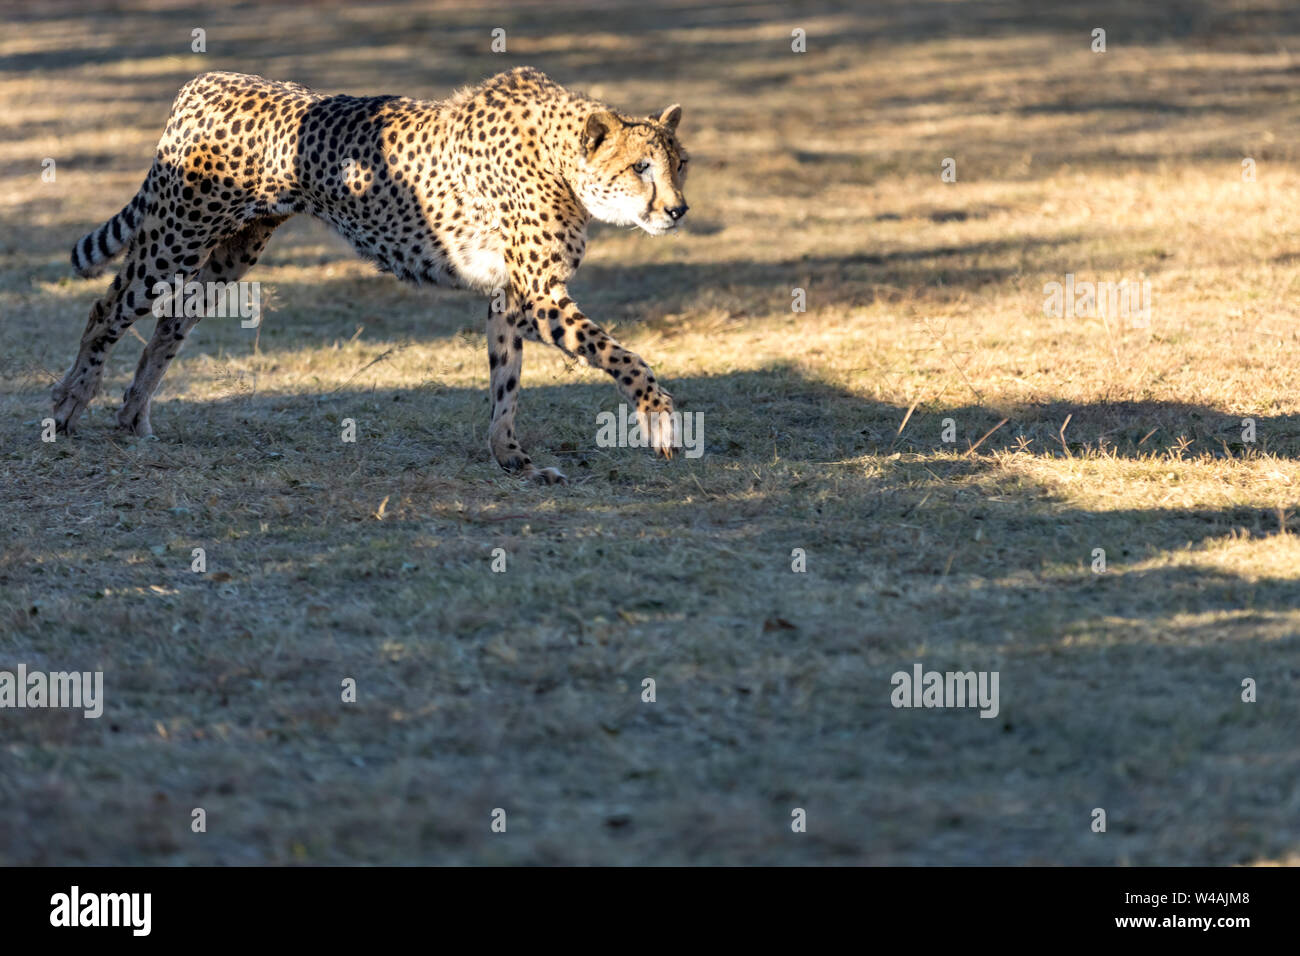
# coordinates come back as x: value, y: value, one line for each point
x: 658, y: 228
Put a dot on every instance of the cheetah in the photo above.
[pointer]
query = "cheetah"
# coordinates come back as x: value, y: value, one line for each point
x: 490, y: 190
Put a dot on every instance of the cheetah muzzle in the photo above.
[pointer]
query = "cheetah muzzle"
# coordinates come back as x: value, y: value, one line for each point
x: 492, y: 189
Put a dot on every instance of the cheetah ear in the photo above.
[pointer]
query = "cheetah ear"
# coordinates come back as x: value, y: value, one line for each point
x: 671, y: 117
x: 599, y: 125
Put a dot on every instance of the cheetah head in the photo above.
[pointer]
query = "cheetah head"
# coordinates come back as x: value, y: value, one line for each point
x: 631, y: 171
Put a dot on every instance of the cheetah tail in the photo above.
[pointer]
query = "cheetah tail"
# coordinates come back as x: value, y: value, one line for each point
x: 96, y: 248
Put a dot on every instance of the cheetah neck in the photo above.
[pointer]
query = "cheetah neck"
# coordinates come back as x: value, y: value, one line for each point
x: 562, y: 149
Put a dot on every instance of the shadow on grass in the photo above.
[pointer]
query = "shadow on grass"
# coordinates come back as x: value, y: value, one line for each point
x: 749, y: 418
x: 807, y: 473
x: 796, y: 417
x: 1119, y: 690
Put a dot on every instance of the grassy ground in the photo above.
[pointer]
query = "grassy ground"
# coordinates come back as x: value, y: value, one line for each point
x: 521, y: 690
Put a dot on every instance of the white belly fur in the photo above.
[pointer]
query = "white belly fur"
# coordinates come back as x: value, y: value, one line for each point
x: 481, y: 262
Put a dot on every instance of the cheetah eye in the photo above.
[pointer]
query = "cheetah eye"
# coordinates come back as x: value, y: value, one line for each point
x: 642, y: 166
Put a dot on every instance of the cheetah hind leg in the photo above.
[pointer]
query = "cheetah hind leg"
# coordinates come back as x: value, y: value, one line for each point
x: 110, y: 317
x: 228, y: 262
x: 78, y: 386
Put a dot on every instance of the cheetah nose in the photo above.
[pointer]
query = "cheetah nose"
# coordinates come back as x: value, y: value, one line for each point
x: 676, y: 212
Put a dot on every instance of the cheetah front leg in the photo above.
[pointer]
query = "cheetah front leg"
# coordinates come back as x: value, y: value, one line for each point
x: 505, y: 362
x: 558, y: 321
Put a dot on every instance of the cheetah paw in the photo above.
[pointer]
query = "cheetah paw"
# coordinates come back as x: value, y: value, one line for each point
x: 661, y: 431
x: 68, y: 406
x: 135, y: 421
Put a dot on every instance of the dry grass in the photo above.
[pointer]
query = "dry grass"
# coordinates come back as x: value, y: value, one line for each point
x: 521, y: 690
